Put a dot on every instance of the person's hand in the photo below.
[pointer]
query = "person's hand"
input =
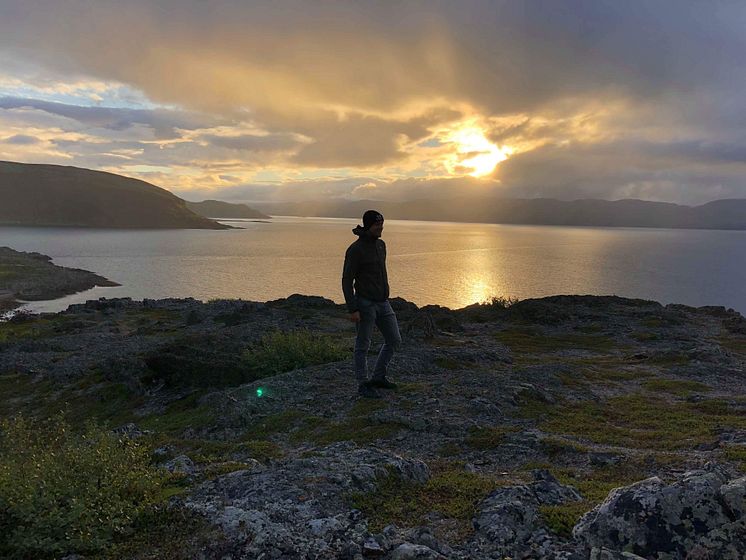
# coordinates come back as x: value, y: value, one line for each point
x: 355, y: 317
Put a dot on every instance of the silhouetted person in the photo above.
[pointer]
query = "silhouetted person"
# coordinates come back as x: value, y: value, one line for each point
x: 366, y: 289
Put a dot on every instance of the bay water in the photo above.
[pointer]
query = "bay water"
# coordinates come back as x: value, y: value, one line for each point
x: 449, y: 264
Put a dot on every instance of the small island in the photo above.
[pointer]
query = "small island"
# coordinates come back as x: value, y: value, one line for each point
x: 33, y: 277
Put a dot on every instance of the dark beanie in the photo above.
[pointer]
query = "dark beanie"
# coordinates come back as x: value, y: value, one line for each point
x: 371, y: 217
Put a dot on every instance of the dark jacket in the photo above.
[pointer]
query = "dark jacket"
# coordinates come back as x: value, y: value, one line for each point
x: 365, y: 271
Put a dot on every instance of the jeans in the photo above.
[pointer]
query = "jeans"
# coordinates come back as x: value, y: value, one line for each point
x: 382, y: 315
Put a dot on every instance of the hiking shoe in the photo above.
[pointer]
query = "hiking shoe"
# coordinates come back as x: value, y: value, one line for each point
x: 367, y: 392
x: 382, y: 383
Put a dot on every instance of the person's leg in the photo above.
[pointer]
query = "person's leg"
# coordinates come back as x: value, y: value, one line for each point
x: 362, y: 342
x: 389, y: 327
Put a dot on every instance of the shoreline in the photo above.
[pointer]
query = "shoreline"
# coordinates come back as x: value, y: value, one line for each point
x: 30, y: 276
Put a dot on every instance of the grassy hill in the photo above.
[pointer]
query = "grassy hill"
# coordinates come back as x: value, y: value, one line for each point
x: 54, y: 195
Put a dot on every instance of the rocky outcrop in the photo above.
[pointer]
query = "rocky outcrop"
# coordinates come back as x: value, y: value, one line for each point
x: 297, y: 508
x: 487, y: 397
x: 509, y: 518
x: 700, y: 517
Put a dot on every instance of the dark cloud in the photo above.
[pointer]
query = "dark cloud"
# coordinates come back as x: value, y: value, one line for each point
x: 21, y: 140
x: 253, y: 143
x: 677, y: 172
x: 360, y: 141
x: 611, y: 97
x: 163, y: 122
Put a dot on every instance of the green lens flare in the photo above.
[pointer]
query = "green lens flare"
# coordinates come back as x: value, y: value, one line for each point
x: 259, y: 392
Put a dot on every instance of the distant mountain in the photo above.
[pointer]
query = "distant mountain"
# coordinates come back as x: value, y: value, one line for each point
x: 719, y: 214
x: 224, y: 210
x: 54, y: 195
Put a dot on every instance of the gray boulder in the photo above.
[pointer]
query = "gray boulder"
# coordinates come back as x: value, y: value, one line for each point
x: 509, y: 517
x: 409, y: 551
x: 297, y: 508
x: 701, y: 516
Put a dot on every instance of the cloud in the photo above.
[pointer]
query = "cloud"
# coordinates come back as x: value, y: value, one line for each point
x: 163, y: 122
x: 254, y: 143
x: 595, y: 96
x: 21, y: 140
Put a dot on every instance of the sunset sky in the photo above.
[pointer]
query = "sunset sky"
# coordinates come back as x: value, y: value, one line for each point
x: 265, y: 101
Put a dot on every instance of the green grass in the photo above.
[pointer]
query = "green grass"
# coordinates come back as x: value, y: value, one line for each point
x: 26, y: 329
x: 606, y: 370
x: 735, y: 344
x: 448, y: 363
x: 488, y: 438
x: 280, y: 351
x: 736, y: 453
x: 594, y: 486
x: 645, y: 336
x: 281, y: 422
x: 367, y: 406
x: 679, y: 387
x: 359, y: 429
x: 638, y: 420
x: 180, y: 415
x: 452, y: 492
x: 532, y: 340
x: 88, y: 398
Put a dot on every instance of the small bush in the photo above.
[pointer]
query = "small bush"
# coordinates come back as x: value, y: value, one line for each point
x: 501, y: 302
x: 279, y: 352
x: 63, y: 493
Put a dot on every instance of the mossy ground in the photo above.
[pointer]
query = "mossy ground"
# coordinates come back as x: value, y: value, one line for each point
x: 594, y: 485
x: 452, y: 492
x: 532, y: 340
x: 639, y: 420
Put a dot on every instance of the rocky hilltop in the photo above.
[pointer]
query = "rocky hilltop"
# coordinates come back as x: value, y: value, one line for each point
x: 56, y: 195
x: 567, y: 427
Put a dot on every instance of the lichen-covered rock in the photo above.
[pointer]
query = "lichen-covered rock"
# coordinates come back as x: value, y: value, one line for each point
x: 509, y: 517
x: 606, y: 554
x: 409, y: 551
x: 180, y: 465
x: 297, y: 508
x: 700, y: 516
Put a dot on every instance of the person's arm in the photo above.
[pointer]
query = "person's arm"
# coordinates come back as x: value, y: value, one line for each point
x: 352, y: 261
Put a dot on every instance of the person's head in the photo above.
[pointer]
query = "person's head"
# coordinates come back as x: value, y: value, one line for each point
x: 373, y: 222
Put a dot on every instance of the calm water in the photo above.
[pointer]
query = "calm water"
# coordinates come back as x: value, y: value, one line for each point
x: 429, y: 262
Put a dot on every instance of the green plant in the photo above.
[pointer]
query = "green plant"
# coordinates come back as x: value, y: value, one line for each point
x: 501, y: 302
x: 62, y: 492
x: 451, y: 491
x: 279, y: 351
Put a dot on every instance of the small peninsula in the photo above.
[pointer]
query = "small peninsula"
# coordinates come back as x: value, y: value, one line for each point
x: 33, y: 277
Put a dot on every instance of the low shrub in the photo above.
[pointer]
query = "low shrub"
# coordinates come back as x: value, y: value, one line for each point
x: 64, y: 493
x: 279, y: 351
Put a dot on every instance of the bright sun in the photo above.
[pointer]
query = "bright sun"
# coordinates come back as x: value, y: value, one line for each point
x: 475, y: 152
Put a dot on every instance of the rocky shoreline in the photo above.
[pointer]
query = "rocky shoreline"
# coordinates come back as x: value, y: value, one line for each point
x: 33, y: 277
x: 567, y: 427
